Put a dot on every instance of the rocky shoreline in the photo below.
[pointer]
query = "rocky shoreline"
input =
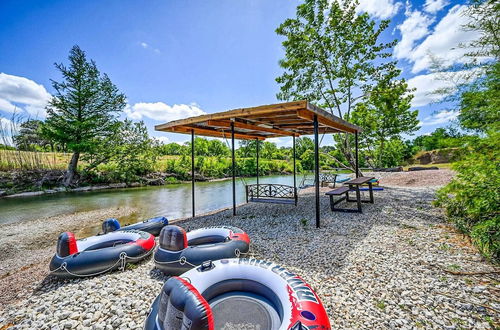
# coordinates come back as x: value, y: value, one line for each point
x: 397, y: 265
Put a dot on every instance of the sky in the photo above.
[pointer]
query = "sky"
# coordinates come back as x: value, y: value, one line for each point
x: 179, y: 58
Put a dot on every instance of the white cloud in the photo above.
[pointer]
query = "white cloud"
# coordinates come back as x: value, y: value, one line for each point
x: 414, y: 27
x: 442, y: 117
x: 425, y: 85
x: 162, y: 139
x: 145, y: 45
x: 447, y: 82
x: 23, y: 93
x: 163, y: 112
x: 444, y: 42
x: 433, y: 6
x: 281, y: 141
x: 379, y: 8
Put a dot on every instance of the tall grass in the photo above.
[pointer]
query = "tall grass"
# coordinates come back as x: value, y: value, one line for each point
x: 25, y: 160
x: 32, y: 160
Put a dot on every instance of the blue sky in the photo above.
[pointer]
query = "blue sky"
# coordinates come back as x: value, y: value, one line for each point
x: 180, y: 58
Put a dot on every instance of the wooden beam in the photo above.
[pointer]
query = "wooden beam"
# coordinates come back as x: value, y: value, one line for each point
x: 264, y: 109
x: 328, y: 119
x: 308, y: 115
x: 224, y: 123
x: 214, y: 133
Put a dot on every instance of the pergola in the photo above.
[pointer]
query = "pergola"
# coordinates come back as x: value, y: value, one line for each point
x: 259, y: 123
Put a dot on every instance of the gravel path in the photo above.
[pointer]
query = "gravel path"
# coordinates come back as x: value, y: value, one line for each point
x: 390, y: 267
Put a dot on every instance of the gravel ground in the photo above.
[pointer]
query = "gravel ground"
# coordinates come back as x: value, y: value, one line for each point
x: 397, y: 265
x: 26, y: 249
x: 426, y: 178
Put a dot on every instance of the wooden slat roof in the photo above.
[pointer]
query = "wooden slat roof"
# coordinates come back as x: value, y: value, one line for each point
x: 262, y: 122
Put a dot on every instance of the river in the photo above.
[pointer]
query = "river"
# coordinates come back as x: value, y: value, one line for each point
x: 172, y: 201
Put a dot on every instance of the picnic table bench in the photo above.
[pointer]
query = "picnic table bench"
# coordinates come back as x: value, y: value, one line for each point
x: 352, y: 185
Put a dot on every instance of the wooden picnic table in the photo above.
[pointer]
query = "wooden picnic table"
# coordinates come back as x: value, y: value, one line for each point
x: 353, y: 185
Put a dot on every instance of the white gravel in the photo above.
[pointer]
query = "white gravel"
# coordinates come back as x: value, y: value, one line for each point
x: 384, y: 268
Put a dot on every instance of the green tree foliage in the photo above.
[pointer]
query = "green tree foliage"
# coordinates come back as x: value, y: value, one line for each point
x: 127, y: 153
x: 472, y: 199
x: 443, y: 138
x: 205, y: 147
x: 30, y: 137
x: 384, y: 117
x: 173, y: 148
x: 83, y: 111
x: 333, y: 57
x: 480, y: 102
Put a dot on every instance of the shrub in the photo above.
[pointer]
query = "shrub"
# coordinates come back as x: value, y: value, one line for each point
x: 472, y: 198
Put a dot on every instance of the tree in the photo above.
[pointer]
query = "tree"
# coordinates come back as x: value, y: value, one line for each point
x: 217, y: 148
x: 480, y: 102
x: 83, y: 111
x: 302, y: 145
x: 129, y: 149
x: 248, y: 148
x: 471, y: 199
x: 384, y: 117
x: 30, y: 136
x: 333, y: 58
x: 172, y: 149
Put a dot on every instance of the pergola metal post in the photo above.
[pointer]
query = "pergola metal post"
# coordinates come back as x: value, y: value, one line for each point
x: 357, y: 148
x: 233, y: 167
x: 294, y: 166
x: 257, y: 141
x: 192, y: 171
x: 316, y: 168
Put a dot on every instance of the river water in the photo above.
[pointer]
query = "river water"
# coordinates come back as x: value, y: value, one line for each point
x: 172, y: 201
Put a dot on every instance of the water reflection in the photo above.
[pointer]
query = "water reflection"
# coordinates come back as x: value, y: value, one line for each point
x: 172, y: 201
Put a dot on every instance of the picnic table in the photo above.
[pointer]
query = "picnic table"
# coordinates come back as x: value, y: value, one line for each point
x: 351, y: 185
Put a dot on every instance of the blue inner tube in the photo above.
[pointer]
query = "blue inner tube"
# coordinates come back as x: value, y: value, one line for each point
x: 98, y: 254
x: 152, y: 226
x: 180, y: 251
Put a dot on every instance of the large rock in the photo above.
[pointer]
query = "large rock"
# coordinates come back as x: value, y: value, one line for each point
x: 420, y: 168
x: 389, y: 169
x: 440, y: 156
x: 28, y: 194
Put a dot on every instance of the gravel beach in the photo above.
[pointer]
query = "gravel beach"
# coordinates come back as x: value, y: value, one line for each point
x: 397, y: 265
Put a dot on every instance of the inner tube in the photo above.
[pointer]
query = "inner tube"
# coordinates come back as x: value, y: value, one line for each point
x: 180, y: 251
x: 152, y: 226
x: 98, y: 254
x: 239, y: 293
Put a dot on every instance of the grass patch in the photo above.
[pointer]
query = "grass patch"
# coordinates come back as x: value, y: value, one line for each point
x: 381, y: 304
x: 444, y: 247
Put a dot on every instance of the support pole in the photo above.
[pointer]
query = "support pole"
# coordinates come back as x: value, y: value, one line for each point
x: 192, y: 171
x: 257, y: 141
x: 233, y: 168
x: 316, y: 168
x: 294, y: 166
x: 357, y: 148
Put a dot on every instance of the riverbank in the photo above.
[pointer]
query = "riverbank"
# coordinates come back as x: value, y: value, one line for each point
x: 26, y: 248
x: 397, y: 265
x: 155, y: 179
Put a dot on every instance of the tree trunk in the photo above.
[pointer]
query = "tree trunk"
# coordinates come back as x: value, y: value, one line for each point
x: 70, y: 173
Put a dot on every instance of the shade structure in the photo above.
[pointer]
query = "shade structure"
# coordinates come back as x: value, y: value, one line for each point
x: 291, y: 119
x: 262, y: 122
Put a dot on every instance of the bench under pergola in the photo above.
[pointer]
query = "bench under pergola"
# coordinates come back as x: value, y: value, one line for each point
x: 290, y: 119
